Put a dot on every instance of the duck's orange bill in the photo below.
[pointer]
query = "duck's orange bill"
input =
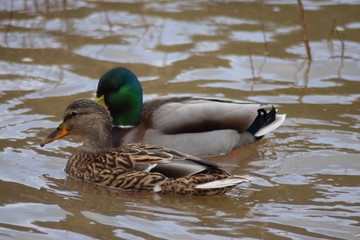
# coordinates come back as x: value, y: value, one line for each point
x: 58, y: 133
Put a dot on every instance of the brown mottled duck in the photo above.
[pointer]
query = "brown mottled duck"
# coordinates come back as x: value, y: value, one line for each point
x: 134, y: 166
x: 197, y: 126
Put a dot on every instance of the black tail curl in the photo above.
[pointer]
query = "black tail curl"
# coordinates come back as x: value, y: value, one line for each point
x: 263, y: 119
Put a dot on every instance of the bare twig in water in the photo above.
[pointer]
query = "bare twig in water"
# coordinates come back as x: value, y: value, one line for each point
x: 305, y: 89
x: 304, y: 30
x: 330, y: 38
x: 105, y: 10
x: 341, y: 36
x: 266, y: 46
x: 251, y: 62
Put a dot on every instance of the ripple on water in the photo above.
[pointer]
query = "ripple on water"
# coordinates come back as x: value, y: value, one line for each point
x: 305, y: 174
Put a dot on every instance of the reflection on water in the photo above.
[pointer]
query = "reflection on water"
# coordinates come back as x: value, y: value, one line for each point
x: 306, y: 174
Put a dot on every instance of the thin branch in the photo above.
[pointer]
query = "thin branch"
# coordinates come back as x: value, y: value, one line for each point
x: 330, y: 39
x: 304, y: 30
x: 341, y: 37
x: 266, y: 46
x: 251, y: 62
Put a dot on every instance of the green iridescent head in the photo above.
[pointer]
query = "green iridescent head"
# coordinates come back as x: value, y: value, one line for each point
x: 119, y: 90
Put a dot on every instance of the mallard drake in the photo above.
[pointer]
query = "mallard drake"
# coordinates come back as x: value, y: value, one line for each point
x: 134, y: 166
x: 198, y: 126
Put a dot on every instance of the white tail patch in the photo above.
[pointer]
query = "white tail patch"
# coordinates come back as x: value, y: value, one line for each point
x: 234, y: 180
x: 151, y: 166
x: 157, y: 188
x: 280, y: 118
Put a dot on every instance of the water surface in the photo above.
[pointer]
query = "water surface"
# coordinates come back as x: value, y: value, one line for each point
x: 305, y: 174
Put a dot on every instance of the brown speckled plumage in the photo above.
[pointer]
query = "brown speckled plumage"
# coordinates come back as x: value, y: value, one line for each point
x: 134, y: 166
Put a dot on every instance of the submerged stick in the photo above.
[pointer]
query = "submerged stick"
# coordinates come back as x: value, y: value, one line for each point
x: 251, y: 62
x: 304, y: 30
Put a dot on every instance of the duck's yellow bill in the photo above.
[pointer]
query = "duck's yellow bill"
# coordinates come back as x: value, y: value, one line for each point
x: 101, y: 100
x: 58, y: 133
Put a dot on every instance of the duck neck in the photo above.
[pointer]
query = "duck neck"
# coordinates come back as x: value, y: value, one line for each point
x: 98, y: 140
x: 127, y: 117
x: 126, y: 110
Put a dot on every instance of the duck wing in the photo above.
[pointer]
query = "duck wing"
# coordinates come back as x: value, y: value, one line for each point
x: 169, y: 162
x: 201, y: 127
x: 178, y: 115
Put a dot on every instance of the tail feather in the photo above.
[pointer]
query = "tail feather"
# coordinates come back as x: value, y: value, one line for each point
x: 223, y: 183
x: 266, y: 122
x: 280, y: 118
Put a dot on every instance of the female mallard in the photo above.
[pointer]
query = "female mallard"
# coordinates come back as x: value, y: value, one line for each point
x: 134, y: 166
x: 200, y: 127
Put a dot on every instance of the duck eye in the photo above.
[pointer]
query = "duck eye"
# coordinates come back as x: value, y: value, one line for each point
x: 70, y: 115
x: 116, y: 87
x: 73, y: 114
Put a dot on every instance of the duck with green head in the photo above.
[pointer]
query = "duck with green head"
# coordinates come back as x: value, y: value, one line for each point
x: 198, y: 126
x: 138, y: 167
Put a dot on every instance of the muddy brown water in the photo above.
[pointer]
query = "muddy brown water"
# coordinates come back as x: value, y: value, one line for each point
x: 306, y: 182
